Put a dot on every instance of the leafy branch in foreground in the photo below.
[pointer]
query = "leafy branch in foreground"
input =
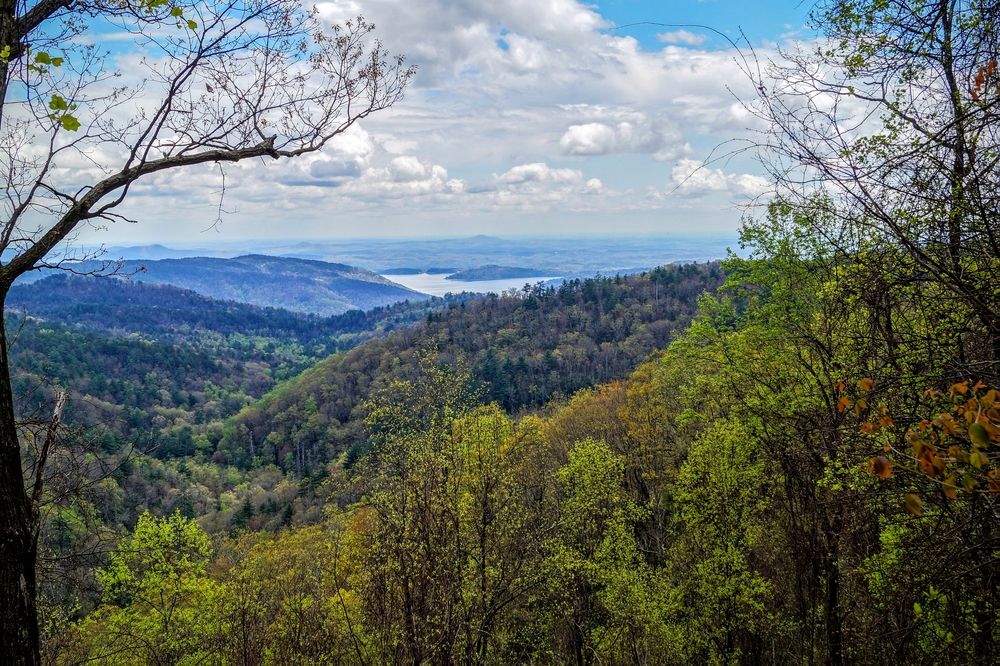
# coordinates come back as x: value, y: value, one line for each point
x: 957, y: 449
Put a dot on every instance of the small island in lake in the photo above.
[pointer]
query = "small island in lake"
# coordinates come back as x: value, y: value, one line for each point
x: 493, y: 272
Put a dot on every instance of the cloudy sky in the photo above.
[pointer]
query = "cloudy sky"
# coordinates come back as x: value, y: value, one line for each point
x: 525, y: 117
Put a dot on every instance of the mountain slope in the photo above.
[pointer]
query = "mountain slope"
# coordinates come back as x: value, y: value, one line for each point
x: 174, y: 314
x: 146, y: 362
x: 302, y: 285
x: 523, y: 349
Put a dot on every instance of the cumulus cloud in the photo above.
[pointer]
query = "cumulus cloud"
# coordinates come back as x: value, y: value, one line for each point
x: 407, y: 168
x: 540, y: 172
x: 640, y: 136
x: 692, y: 178
x: 516, y: 89
x: 345, y: 156
x: 685, y: 37
x: 589, y: 139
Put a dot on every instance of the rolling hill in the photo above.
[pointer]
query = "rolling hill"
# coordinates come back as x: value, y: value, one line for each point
x: 494, y: 272
x: 302, y: 285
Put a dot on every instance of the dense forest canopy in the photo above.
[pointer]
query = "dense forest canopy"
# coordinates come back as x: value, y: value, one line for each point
x: 186, y: 411
x: 791, y: 456
x: 523, y: 349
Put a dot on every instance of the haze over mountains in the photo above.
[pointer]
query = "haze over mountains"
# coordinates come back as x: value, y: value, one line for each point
x: 332, y: 277
x: 301, y: 285
x: 582, y: 255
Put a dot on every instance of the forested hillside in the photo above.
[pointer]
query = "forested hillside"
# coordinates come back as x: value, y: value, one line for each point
x: 301, y: 285
x: 790, y: 456
x: 150, y: 362
x: 727, y: 502
x: 522, y: 349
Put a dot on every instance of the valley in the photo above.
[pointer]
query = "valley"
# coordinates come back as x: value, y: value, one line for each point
x: 210, y: 404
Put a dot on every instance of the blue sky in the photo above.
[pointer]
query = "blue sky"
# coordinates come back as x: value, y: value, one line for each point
x: 526, y: 117
x: 759, y: 20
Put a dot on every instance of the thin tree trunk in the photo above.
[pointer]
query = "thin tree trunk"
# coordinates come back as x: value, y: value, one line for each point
x: 18, y: 613
x: 834, y: 638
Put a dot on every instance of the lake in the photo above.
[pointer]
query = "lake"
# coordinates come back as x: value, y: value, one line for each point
x: 437, y: 285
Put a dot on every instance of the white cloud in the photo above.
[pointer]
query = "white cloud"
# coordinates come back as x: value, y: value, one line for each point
x: 540, y: 172
x: 637, y: 136
x: 684, y: 37
x: 518, y: 103
x: 589, y: 139
x: 407, y: 168
x: 692, y: 178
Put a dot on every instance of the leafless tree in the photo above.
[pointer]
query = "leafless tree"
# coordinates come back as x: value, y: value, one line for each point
x: 205, y: 82
x: 891, y: 115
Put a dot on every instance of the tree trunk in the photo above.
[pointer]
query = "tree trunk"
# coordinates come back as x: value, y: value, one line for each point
x: 18, y: 545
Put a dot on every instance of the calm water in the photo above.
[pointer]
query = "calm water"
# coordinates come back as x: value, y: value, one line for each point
x: 436, y: 285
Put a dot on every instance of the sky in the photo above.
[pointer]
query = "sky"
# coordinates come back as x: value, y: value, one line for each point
x: 526, y: 117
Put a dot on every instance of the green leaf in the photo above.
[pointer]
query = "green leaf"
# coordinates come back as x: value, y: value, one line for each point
x: 5, y: 53
x: 177, y: 11
x: 58, y: 103
x: 192, y: 25
x: 42, y: 58
x: 69, y: 122
x: 979, y: 435
x: 917, y: 610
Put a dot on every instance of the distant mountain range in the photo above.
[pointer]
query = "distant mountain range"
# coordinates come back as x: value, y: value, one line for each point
x: 300, y: 285
x: 582, y: 255
x: 164, y: 312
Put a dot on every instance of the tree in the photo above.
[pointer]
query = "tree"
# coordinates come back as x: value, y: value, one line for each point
x: 218, y: 82
x: 893, y: 114
x: 883, y: 140
x: 155, y: 593
x: 452, y: 525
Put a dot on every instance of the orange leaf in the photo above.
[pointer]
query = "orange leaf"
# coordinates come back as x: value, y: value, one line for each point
x: 866, y: 384
x: 843, y: 403
x: 949, y: 488
x: 927, y: 463
x: 882, y: 467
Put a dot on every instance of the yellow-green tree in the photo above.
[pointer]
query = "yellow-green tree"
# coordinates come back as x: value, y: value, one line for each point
x: 157, y: 598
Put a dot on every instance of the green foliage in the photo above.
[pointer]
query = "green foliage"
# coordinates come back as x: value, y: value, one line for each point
x: 155, y: 597
x: 584, y: 333
x: 725, y: 512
